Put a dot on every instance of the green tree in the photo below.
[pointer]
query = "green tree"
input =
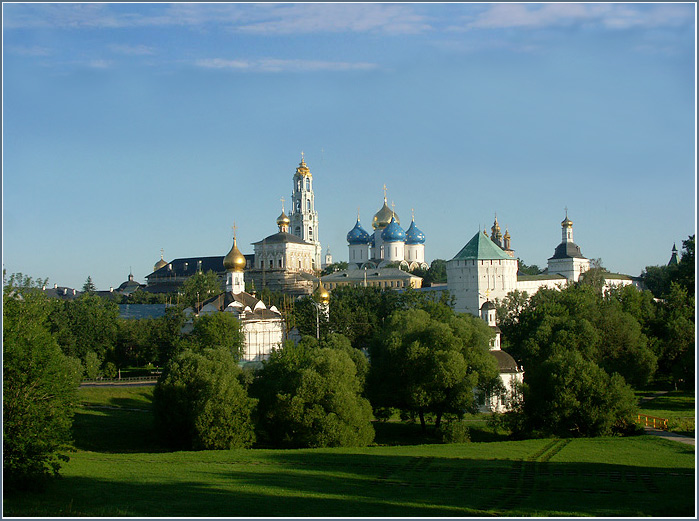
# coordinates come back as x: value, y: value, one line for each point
x: 200, y: 287
x: 567, y: 395
x: 92, y: 365
x: 424, y: 364
x: 39, y: 384
x: 19, y: 282
x: 89, y: 286
x: 92, y: 322
x: 332, y: 268
x: 219, y: 330
x: 579, y: 318
x: 528, y: 270
x: 311, y: 397
x: 201, y: 403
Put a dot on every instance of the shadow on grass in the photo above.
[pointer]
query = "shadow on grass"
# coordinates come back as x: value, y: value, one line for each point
x: 115, y: 431
x: 312, y: 483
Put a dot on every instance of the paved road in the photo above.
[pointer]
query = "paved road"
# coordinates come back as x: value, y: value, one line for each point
x: 670, y: 435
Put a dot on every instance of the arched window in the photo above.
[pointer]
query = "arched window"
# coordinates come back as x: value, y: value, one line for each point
x: 308, y: 205
x: 308, y: 184
x: 310, y: 233
x: 297, y: 231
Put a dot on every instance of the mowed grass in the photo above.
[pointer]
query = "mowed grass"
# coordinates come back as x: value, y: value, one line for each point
x: 640, y: 476
x: 677, y: 406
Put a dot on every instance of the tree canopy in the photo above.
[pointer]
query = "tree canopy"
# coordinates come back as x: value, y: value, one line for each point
x: 39, y: 384
x: 431, y: 362
x: 200, y: 402
x: 310, y: 396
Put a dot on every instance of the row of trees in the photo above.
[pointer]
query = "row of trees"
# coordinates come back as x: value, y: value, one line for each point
x: 425, y: 361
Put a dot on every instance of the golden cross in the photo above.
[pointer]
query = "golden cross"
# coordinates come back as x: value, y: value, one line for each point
x: 384, y: 191
x: 302, y: 156
x: 412, y: 211
x: 282, y: 200
x: 162, y: 252
x: 235, y: 228
x: 357, y: 212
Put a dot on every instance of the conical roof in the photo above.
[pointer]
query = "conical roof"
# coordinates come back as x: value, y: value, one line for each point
x: 480, y: 247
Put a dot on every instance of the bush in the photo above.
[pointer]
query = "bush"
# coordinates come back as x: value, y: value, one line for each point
x: 200, y: 403
x: 454, y: 432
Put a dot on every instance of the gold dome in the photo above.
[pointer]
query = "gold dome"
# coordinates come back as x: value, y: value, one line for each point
x: 161, y: 263
x: 383, y: 217
x: 234, y: 261
x: 321, y: 293
x: 302, y: 169
x: 567, y: 223
x: 283, y: 219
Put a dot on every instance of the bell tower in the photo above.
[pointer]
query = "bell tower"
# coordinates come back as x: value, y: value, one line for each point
x: 303, y: 216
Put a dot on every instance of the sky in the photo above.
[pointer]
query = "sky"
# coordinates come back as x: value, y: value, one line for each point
x: 131, y: 128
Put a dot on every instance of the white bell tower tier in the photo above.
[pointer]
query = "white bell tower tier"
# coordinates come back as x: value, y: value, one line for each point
x: 303, y: 216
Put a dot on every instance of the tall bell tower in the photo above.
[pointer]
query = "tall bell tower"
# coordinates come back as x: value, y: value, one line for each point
x: 303, y: 216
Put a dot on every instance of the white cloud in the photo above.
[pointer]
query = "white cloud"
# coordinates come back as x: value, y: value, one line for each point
x: 33, y: 50
x: 132, y: 50
x: 317, y: 18
x: 279, y: 65
x: 610, y: 16
x: 255, y: 18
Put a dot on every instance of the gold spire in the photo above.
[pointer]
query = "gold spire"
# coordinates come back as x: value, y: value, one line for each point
x: 567, y: 223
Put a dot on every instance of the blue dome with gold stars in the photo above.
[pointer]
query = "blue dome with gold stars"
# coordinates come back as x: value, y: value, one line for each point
x: 358, y: 235
x: 414, y: 235
x: 393, y: 232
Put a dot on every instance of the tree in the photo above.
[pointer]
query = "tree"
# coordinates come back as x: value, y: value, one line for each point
x: 200, y: 402
x: 528, y: 270
x: 89, y: 286
x: 219, y: 330
x: 332, y: 268
x: 311, y: 397
x: 39, y: 384
x: 200, y: 287
x: 567, y: 395
x: 92, y: 322
x: 19, y: 282
x: 431, y: 363
x: 579, y: 318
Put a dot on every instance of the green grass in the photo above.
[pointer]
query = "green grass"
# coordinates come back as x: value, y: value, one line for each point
x: 126, y: 474
x: 677, y: 406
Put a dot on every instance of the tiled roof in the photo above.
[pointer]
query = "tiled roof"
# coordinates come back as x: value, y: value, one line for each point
x: 567, y: 250
x: 138, y: 311
x: 480, y: 247
x: 281, y: 237
x: 371, y: 274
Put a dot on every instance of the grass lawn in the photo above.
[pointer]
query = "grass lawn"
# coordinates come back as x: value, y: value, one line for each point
x: 640, y: 476
x: 677, y: 406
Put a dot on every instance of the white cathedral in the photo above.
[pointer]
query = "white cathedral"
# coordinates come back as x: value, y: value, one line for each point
x: 388, y: 243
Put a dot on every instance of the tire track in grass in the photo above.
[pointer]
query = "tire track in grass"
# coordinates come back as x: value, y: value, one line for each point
x: 522, y: 479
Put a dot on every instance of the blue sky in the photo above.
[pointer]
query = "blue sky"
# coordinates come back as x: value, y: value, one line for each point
x: 128, y: 128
